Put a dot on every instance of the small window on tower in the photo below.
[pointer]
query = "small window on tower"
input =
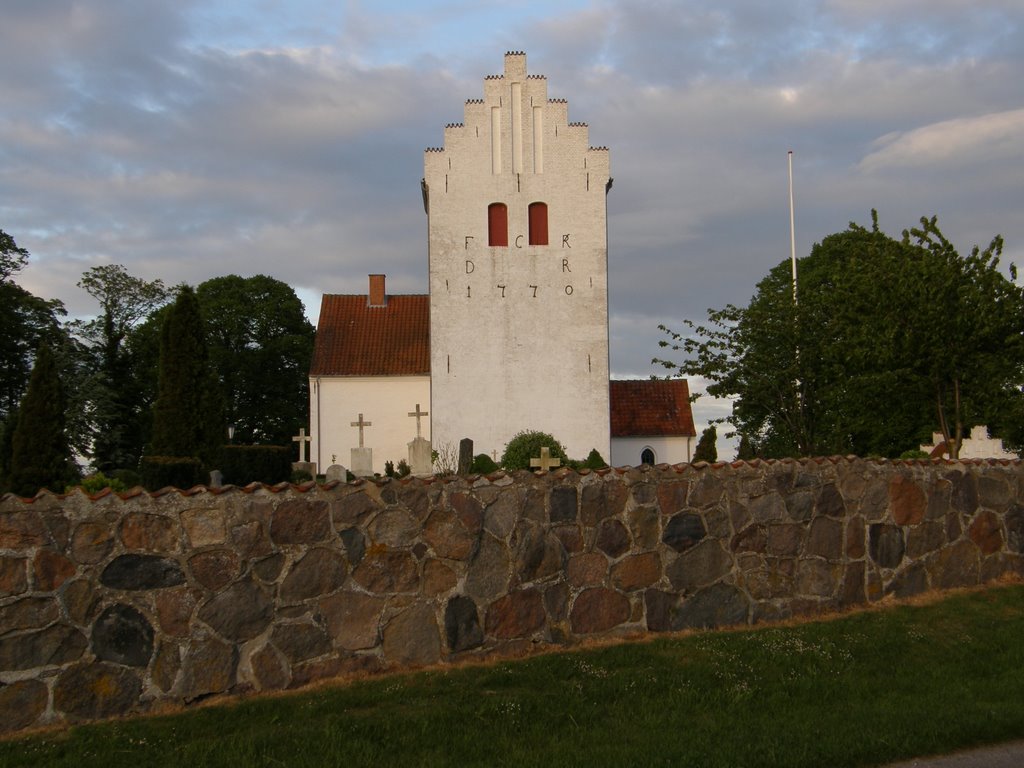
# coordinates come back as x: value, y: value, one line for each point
x: 538, y: 223
x: 497, y: 225
x: 647, y: 457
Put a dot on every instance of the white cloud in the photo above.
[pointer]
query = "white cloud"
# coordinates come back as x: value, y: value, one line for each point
x: 950, y: 143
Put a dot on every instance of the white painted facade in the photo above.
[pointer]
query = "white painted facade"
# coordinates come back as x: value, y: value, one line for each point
x: 385, y: 401
x: 519, y: 333
x: 627, y: 451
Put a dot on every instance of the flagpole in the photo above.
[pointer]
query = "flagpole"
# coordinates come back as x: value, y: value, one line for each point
x: 792, y: 226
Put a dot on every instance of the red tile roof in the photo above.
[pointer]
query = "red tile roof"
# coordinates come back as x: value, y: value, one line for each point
x: 355, y: 339
x: 648, y: 407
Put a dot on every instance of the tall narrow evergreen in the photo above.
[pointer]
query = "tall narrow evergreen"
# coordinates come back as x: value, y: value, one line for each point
x: 40, y: 457
x: 707, y: 450
x: 188, y: 413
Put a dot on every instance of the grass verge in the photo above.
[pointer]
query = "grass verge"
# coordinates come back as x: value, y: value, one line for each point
x: 859, y: 690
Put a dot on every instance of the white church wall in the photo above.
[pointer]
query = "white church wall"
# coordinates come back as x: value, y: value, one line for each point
x: 626, y: 451
x: 519, y: 333
x: 385, y: 401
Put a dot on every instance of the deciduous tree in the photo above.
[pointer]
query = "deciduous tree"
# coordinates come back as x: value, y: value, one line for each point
x: 889, y: 339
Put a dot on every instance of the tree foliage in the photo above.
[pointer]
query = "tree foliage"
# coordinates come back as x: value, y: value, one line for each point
x: 26, y: 322
x: 888, y: 340
x: 116, y: 401
x: 40, y: 457
x: 188, y: 413
x: 707, y: 449
x: 260, y: 345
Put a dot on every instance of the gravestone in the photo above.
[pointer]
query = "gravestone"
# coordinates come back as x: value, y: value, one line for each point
x: 336, y: 472
x: 546, y: 460
x: 420, y: 461
x: 216, y: 478
x: 362, y: 457
x: 309, y: 467
x: 362, y: 462
x: 465, y: 455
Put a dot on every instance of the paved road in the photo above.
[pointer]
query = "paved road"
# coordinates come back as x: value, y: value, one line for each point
x: 1009, y: 755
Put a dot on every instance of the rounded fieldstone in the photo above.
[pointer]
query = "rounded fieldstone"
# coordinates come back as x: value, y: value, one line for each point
x: 613, y: 538
x: 122, y: 635
x: 597, y: 610
x: 394, y: 528
x: 1015, y: 529
x: 468, y: 510
x: 987, y: 532
x: 720, y: 605
x: 539, y: 555
x: 142, y: 572
x: 637, y: 571
x: 354, y: 509
x: 204, y: 527
x: 387, y: 573
x: 95, y: 690
x: 267, y: 569
x: 587, y: 570
x: 462, y: 624
x: 563, y: 504
x: 825, y: 538
x: 209, y: 667
x: 448, y: 537
x: 300, y: 642
x: 886, y: 544
x: 438, y: 578
x: 215, y: 568
x: 91, y: 542
x: 166, y: 666
x: 28, y: 613
x: 21, y: 704
x: 964, y: 496
x: 51, y: 569
x: 22, y: 530
x: 174, y: 610
x: 412, y: 637
x: 320, y: 571
x: 240, y: 612
x: 80, y: 598
x: 704, y: 564
x: 155, y: 533
x: 53, y: 646
x: 672, y: 496
x: 355, y: 544
x: 683, y: 531
x: 907, y: 500
x: 830, y: 502
x: 517, y: 614
x: 300, y: 522
x: 269, y: 669
x: 13, y: 576
x: 489, y: 572
x: 353, y: 619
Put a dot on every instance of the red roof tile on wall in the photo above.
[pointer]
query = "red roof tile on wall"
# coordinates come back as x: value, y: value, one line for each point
x: 651, y: 407
x: 355, y: 339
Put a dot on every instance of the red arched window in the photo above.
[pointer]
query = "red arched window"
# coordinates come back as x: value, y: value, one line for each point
x: 497, y: 225
x: 538, y: 223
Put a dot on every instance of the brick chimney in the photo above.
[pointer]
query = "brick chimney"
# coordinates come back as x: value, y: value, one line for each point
x: 377, y: 297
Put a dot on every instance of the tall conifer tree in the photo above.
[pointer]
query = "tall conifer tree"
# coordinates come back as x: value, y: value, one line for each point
x: 40, y: 457
x: 188, y: 413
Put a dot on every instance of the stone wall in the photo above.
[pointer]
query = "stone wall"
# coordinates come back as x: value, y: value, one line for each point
x: 117, y: 605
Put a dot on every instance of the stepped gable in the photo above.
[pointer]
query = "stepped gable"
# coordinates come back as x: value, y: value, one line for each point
x: 651, y: 407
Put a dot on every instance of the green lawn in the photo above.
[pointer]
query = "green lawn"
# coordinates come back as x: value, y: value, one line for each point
x: 860, y: 690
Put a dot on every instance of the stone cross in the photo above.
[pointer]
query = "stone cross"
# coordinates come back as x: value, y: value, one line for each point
x: 546, y: 460
x: 361, y: 424
x: 302, y: 439
x: 418, y: 414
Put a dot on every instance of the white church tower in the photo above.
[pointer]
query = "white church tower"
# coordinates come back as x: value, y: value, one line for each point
x: 516, y: 219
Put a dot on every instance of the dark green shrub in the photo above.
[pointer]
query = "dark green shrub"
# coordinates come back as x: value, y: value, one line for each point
x: 96, y: 482
x: 707, y: 450
x: 594, y: 460
x: 244, y: 464
x: 915, y: 453
x: 526, y: 445
x: 482, y: 465
x: 300, y: 476
x: 129, y: 478
x: 175, y: 471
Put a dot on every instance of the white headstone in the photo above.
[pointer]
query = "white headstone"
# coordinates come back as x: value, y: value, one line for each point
x: 362, y: 462
x: 420, y: 461
x: 336, y: 472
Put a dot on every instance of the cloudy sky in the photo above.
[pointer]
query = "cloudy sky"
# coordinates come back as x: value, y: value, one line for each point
x: 188, y: 139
